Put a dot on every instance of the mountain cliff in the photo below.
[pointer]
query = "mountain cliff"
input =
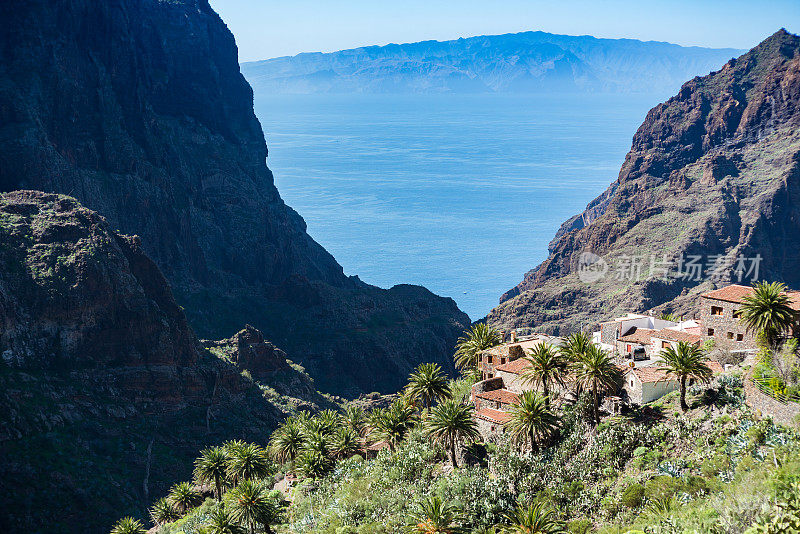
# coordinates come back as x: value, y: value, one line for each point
x: 527, y: 62
x: 105, y: 394
x: 712, y: 179
x: 137, y: 108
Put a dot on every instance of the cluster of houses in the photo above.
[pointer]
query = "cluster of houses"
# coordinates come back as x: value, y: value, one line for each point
x: 635, y: 340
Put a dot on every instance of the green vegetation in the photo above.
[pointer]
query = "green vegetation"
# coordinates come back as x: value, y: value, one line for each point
x: 548, y: 367
x: 684, y: 362
x: 767, y: 312
x: 478, y: 338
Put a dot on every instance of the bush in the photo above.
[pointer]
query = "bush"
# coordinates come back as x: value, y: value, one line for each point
x: 579, y: 526
x: 633, y: 496
x: 662, y: 487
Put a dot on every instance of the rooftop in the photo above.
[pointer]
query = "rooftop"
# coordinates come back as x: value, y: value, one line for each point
x: 495, y: 416
x: 515, y: 367
x: 670, y: 334
x: 655, y: 374
x: 736, y: 293
x: 637, y: 335
x: 500, y: 395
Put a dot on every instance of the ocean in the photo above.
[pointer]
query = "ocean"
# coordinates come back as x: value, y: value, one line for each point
x: 459, y: 193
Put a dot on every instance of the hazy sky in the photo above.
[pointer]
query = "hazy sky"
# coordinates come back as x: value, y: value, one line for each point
x: 267, y: 28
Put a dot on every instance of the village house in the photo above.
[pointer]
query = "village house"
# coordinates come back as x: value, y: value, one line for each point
x: 516, y: 348
x: 646, y: 384
x: 611, y: 332
x: 720, y: 322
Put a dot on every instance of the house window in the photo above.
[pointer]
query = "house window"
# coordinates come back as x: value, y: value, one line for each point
x: 629, y: 348
x: 631, y: 382
x: 502, y: 361
x: 730, y: 335
x: 739, y: 337
x: 716, y: 310
x: 710, y: 331
x: 664, y: 344
x: 737, y: 314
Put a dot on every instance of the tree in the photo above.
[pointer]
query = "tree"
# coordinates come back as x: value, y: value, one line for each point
x: 163, y: 511
x: 345, y: 443
x: 128, y: 525
x: 393, y: 423
x: 535, y: 518
x: 252, y: 505
x: 313, y: 464
x: 211, y: 467
x: 355, y: 418
x: 685, y: 361
x: 595, y: 369
x: 432, y: 516
x: 766, y: 311
x: 449, y: 423
x: 247, y: 461
x: 222, y: 521
x: 184, y: 497
x: 531, y: 421
x: 287, y: 442
x: 478, y: 338
x: 575, y: 346
x: 428, y: 383
x: 547, y: 369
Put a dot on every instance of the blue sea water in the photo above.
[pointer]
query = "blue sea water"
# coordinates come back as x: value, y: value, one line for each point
x: 459, y: 193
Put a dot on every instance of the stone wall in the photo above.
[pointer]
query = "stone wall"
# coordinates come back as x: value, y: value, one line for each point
x: 724, y: 324
x: 783, y: 413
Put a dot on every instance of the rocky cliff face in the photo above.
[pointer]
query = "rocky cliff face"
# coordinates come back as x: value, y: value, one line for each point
x: 137, y: 108
x: 105, y: 394
x: 712, y: 178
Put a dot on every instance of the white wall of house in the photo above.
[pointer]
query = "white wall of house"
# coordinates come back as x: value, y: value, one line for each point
x: 643, y: 392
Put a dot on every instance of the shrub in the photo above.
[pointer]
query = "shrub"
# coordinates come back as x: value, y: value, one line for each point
x: 633, y: 496
x: 662, y: 487
x: 579, y: 526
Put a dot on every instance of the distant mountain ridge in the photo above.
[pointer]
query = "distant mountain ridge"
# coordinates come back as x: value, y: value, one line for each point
x: 527, y: 62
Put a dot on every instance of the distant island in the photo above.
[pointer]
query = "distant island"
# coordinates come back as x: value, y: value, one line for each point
x: 528, y: 62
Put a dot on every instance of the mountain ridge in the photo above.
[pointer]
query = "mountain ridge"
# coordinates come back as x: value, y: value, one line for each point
x: 713, y: 171
x: 526, y: 62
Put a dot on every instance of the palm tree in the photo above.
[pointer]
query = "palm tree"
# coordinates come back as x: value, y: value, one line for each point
x: 248, y: 461
x: 211, y: 467
x: 128, y: 525
x: 287, y: 442
x: 313, y: 464
x: 428, y: 383
x: 345, y: 443
x: 327, y: 421
x: 163, y: 511
x: 535, y: 518
x: 250, y: 504
x: 478, y: 338
x: 432, y: 516
x: 595, y: 369
x: 766, y: 311
x: 547, y: 368
x: 222, y: 521
x: 449, y: 423
x: 685, y: 361
x: 184, y: 497
x: 393, y: 423
x: 354, y: 417
x: 531, y: 421
x: 575, y: 346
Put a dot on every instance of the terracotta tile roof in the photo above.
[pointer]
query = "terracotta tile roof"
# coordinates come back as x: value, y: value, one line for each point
x: 696, y: 330
x: 495, y: 416
x: 638, y: 335
x: 506, y: 348
x: 502, y: 395
x: 676, y: 335
x: 651, y: 374
x: 715, y: 366
x: 736, y: 293
x: 516, y: 366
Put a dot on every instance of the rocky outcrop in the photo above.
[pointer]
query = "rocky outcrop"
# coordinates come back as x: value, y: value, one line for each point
x: 713, y: 172
x: 137, y: 108
x: 105, y: 394
x: 248, y: 349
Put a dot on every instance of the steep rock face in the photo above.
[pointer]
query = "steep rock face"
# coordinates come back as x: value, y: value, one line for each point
x: 713, y: 172
x: 248, y: 350
x: 137, y: 108
x: 105, y: 394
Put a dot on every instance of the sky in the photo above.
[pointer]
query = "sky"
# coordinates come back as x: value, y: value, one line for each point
x: 267, y: 28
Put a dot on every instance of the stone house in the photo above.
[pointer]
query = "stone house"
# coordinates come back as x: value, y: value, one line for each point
x: 490, y: 359
x: 666, y: 337
x: 719, y: 318
x: 611, y: 331
x: 635, y: 342
x: 646, y: 384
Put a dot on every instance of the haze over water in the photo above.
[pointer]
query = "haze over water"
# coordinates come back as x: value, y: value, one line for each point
x: 459, y: 193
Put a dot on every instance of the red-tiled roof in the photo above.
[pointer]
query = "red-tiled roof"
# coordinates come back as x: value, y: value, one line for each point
x: 651, y: 374
x: 516, y: 367
x: 501, y: 395
x: 495, y: 416
x: 736, y: 293
x: 638, y: 335
x: 676, y: 335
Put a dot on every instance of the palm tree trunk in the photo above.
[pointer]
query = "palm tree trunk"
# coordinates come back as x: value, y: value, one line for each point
x: 596, y: 407
x: 219, y: 487
x: 546, y: 392
x: 684, y: 406
x: 453, y: 453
